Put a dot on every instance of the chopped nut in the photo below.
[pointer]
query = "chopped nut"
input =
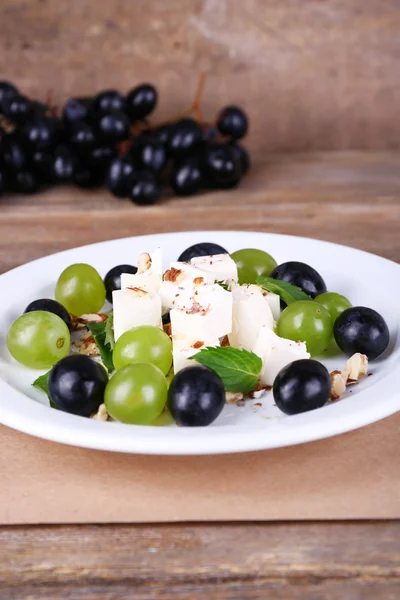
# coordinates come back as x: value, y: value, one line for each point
x: 197, y: 308
x: 167, y: 329
x: 240, y: 403
x: 338, y: 385
x: 173, y: 275
x: 144, y: 262
x: 197, y: 345
x: 198, y: 280
x: 139, y: 291
x: 225, y: 341
x: 101, y: 414
x: 231, y: 397
x: 83, y: 320
x: 85, y: 345
x: 355, y: 367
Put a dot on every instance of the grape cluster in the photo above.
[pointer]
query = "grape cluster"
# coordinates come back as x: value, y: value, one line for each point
x: 108, y: 140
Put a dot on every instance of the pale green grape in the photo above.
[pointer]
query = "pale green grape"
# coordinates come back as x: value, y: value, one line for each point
x: 136, y: 394
x: 38, y: 339
x: 144, y: 344
x: 252, y: 263
x: 307, y: 322
x: 334, y: 303
x: 80, y: 289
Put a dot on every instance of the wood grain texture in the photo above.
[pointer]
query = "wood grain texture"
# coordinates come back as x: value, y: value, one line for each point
x: 283, y: 561
x: 351, y: 198
x: 312, y: 74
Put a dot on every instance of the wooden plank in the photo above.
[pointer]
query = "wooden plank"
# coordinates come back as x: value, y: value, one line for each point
x: 312, y: 75
x: 349, y: 198
x: 319, y: 561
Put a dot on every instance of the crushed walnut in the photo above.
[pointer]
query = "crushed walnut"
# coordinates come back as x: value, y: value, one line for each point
x: 139, y: 291
x: 144, y: 262
x: 101, y: 414
x: 198, y: 280
x: 167, y: 329
x: 197, y: 345
x: 231, y: 397
x: 225, y: 341
x: 196, y: 308
x: 356, y: 367
x: 83, y: 320
x: 85, y: 345
x: 173, y: 275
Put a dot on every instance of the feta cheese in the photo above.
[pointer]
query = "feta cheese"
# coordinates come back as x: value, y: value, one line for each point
x: 275, y: 353
x: 134, y: 307
x: 221, y: 266
x: 250, y: 313
x: 183, y: 349
x: 149, y: 275
x: 181, y: 278
x: 274, y: 303
x: 205, y: 314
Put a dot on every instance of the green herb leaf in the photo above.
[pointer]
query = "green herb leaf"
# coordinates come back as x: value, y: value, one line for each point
x: 287, y: 291
x: 42, y: 383
x: 224, y: 285
x: 104, y: 338
x: 238, y: 369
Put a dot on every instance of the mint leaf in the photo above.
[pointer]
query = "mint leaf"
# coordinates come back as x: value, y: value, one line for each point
x: 287, y: 291
x: 238, y: 369
x: 224, y: 285
x: 42, y: 383
x: 104, y: 338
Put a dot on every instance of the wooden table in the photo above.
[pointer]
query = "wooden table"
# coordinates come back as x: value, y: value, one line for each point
x: 351, y: 198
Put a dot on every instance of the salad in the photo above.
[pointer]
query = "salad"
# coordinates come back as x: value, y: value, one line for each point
x: 212, y: 328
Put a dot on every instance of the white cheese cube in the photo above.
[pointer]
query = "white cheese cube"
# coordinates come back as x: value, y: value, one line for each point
x: 149, y: 275
x: 183, y: 349
x: 250, y: 313
x: 181, y: 278
x: 275, y: 353
x: 274, y: 303
x: 204, y: 315
x: 221, y: 266
x: 134, y: 307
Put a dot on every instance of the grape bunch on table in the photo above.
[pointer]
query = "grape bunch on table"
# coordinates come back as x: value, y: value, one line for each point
x: 109, y: 140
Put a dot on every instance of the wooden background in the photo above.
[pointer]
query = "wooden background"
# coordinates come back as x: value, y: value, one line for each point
x: 313, y: 74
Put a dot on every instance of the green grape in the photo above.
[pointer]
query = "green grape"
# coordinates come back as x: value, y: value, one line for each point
x: 80, y: 289
x: 136, y: 394
x: 334, y: 303
x: 308, y: 322
x: 38, y: 339
x: 252, y: 263
x: 144, y: 344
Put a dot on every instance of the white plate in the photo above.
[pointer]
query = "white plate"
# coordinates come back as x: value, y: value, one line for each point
x: 364, y: 278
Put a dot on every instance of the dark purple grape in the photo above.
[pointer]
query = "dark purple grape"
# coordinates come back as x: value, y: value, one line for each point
x: 15, y: 152
x: 185, y: 136
x: 148, y: 153
x: 361, y: 329
x: 42, y: 133
x: 145, y: 188
x: 51, y: 306
x: 301, y: 275
x: 109, y: 100
x: 232, y: 121
x: 196, y: 396
x: 26, y: 182
x: 221, y: 166
x: 7, y: 90
x: 77, y: 109
x: 101, y: 157
x: 186, y: 177
x: 301, y: 386
x: 201, y: 249
x: 162, y: 134
x: 18, y: 109
x: 82, y: 137
x: 242, y: 155
x: 77, y: 384
x: 3, y: 181
x: 141, y: 101
x: 112, y: 280
x: 64, y: 165
x: 86, y: 177
x: 42, y: 164
x: 113, y: 127
x: 120, y: 176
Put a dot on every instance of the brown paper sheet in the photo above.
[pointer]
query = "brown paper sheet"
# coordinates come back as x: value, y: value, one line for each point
x: 351, y: 476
